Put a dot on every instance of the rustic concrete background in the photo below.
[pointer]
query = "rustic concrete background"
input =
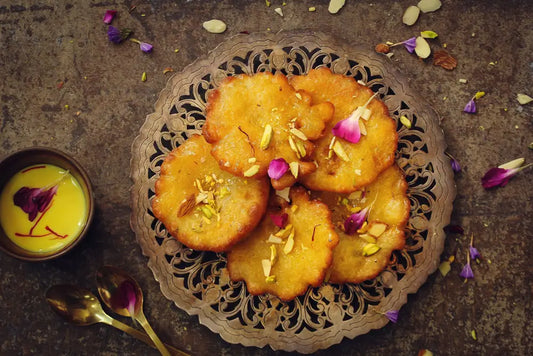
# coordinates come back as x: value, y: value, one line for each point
x: 46, y: 42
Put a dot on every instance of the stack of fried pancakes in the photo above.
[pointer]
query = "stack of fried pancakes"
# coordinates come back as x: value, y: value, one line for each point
x: 277, y: 182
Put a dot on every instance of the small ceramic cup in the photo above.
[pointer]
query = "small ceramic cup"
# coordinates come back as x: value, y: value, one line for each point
x: 20, y: 160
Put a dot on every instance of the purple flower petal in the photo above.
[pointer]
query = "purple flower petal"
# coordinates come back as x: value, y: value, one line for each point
x: 354, y: 222
x: 277, y: 168
x: 467, y: 272
x: 24, y: 198
x: 34, y: 200
x: 470, y: 107
x: 125, y: 297
x: 455, y: 165
x: 410, y: 44
x: 392, y: 315
x: 474, y: 253
x: 497, y: 177
x: 280, y: 220
x: 348, y: 129
x: 146, y: 47
x: 109, y: 16
x: 117, y: 36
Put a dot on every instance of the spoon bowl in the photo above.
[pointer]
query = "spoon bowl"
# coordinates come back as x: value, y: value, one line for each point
x: 76, y: 305
x: 123, y: 295
x: 81, y: 307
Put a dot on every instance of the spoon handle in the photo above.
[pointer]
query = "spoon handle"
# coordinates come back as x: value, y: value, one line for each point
x: 142, y: 336
x: 144, y: 323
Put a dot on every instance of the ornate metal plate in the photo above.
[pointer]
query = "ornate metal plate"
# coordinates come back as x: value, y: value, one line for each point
x: 198, y: 283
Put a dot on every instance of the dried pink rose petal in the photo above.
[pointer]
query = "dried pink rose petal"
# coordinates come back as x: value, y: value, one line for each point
x: 109, y: 16
x: 280, y: 220
x: 277, y: 168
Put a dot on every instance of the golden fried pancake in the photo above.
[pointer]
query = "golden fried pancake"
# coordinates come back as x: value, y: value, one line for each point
x: 388, y: 214
x: 203, y: 206
x: 365, y: 159
x: 252, y: 120
x: 267, y: 262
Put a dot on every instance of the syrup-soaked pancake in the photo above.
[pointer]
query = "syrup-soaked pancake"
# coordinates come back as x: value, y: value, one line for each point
x: 252, y: 120
x: 203, y: 206
x: 365, y: 159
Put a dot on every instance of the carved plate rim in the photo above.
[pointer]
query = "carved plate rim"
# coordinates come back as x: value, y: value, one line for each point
x: 306, y: 342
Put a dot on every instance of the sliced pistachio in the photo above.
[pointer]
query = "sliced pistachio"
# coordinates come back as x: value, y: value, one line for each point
x: 298, y: 134
x: 267, y: 267
x: 366, y: 114
x: 289, y: 245
x: 252, y: 171
x: 283, y: 233
x: 252, y: 160
x: 273, y: 254
x: 362, y: 127
x: 201, y: 197
x: 294, y: 207
x: 274, y: 239
x: 270, y: 279
x: 299, y: 96
x: 405, y: 121
x: 339, y: 151
x: 301, y: 149
x: 377, y: 228
x: 363, y: 228
x: 332, y: 142
x: 293, y: 145
x: 368, y: 238
x: 267, y: 137
x: 198, y: 185
x: 357, y: 172
x: 294, y: 166
x: 370, y: 249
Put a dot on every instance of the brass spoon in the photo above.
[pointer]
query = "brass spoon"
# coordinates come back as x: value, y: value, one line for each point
x: 81, y: 307
x: 122, y: 294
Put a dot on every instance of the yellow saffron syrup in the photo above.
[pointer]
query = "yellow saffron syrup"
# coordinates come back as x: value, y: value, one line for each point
x: 54, y: 228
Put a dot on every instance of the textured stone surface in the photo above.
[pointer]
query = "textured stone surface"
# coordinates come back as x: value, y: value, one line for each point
x: 44, y: 43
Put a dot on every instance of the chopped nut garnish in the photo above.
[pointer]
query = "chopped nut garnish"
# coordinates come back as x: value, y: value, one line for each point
x: 339, y: 151
x: 293, y: 145
x: 267, y: 137
x: 298, y: 134
x: 273, y: 254
x: 267, y: 267
x: 252, y: 160
x: 186, y: 206
x: 274, y: 239
x: 252, y: 171
x: 270, y: 279
x: 289, y: 245
x: 377, y: 228
x: 294, y: 166
x: 368, y: 238
x: 370, y: 249
x: 405, y: 121
x: 362, y: 127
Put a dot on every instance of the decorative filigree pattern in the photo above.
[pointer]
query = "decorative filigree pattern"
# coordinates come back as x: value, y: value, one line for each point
x: 198, y: 281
